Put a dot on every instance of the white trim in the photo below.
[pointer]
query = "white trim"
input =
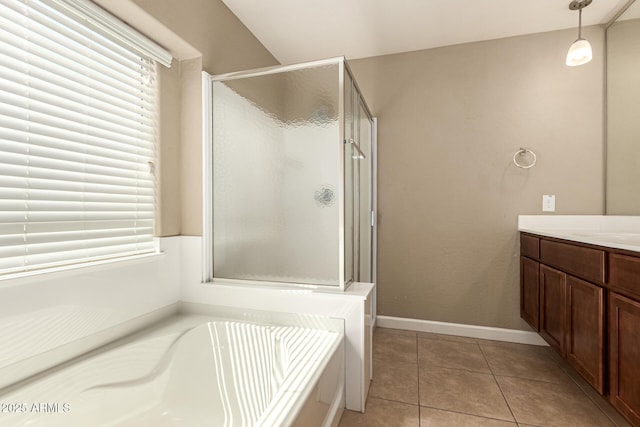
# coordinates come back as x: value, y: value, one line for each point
x: 96, y: 17
x: 462, y: 330
x: 80, y: 267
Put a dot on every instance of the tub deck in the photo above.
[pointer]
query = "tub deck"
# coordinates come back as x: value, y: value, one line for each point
x: 190, y: 371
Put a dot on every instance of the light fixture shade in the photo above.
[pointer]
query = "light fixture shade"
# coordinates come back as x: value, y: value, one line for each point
x: 579, y: 53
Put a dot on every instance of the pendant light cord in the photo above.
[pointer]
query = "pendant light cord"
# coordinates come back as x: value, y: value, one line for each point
x: 580, y: 22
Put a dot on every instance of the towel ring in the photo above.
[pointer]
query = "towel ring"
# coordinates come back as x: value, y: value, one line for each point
x: 521, y: 153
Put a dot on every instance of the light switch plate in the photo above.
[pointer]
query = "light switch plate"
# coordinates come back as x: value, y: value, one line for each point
x: 548, y: 203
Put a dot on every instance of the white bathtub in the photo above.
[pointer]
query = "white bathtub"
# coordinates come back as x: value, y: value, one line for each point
x: 193, y: 371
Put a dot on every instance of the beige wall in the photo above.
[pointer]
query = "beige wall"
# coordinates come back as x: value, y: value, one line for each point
x: 168, y: 172
x: 450, y: 120
x: 219, y: 43
x: 623, y: 129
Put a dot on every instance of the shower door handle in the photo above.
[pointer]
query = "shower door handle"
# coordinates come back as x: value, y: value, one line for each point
x: 361, y: 154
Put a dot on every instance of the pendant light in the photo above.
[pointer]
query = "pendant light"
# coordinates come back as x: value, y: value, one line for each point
x: 580, y: 51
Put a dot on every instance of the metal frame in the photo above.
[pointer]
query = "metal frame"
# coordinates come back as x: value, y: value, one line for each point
x: 619, y: 13
x: 343, y: 283
x: 346, y: 65
x: 207, y: 110
x: 346, y: 69
x: 374, y: 207
x: 207, y: 178
x: 275, y: 69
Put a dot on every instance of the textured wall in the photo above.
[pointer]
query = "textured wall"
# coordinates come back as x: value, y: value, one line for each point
x: 450, y: 120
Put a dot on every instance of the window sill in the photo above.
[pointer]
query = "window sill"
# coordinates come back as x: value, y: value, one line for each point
x: 75, y: 269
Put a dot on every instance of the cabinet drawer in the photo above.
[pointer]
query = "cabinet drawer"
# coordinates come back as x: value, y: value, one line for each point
x: 529, y: 246
x: 624, y: 274
x: 585, y: 263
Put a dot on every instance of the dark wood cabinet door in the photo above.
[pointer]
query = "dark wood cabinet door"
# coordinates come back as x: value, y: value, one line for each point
x: 530, y: 292
x: 585, y: 330
x: 553, y: 304
x: 624, y: 356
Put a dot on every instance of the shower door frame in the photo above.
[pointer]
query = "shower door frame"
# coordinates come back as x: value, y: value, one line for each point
x: 207, y: 172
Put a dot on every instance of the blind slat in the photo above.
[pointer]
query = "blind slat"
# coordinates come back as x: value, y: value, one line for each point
x: 11, y: 121
x: 17, y: 216
x: 78, y: 116
x: 47, y: 34
x: 62, y: 151
x: 73, y: 101
x: 44, y: 76
x: 87, y: 75
x: 18, y: 182
x: 58, y: 118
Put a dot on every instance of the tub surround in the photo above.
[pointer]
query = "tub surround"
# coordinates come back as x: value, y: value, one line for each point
x: 355, y: 306
x: 49, y: 318
x: 618, y: 232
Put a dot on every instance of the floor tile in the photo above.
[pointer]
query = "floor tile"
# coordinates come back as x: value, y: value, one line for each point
x: 382, y: 413
x: 554, y: 355
x: 541, y: 403
x: 600, y: 401
x: 509, y: 344
x: 395, y: 381
x: 523, y: 362
x: 380, y: 330
x: 449, y: 354
x: 446, y: 337
x: 450, y: 377
x: 430, y: 417
x: 392, y: 347
x: 472, y: 393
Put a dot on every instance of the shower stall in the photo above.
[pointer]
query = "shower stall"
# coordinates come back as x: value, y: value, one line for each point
x: 289, y: 183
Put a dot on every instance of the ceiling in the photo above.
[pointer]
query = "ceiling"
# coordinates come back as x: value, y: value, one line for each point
x: 302, y: 30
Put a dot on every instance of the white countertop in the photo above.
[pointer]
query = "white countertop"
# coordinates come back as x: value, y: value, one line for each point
x: 619, y: 232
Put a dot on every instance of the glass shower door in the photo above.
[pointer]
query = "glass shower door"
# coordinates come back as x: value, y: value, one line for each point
x: 358, y: 186
x: 290, y: 178
x: 276, y: 177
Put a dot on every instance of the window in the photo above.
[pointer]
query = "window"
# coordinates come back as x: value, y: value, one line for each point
x: 78, y: 112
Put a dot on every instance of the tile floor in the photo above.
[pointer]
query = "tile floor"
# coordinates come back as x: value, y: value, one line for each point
x: 431, y: 380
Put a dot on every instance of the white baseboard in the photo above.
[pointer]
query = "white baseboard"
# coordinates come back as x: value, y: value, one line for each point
x: 458, y: 329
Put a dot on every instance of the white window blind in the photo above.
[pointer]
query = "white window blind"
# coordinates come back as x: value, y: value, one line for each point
x: 77, y: 141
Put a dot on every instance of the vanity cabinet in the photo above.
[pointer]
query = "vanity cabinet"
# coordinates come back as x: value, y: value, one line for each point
x: 588, y: 310
x: 624, y: 356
